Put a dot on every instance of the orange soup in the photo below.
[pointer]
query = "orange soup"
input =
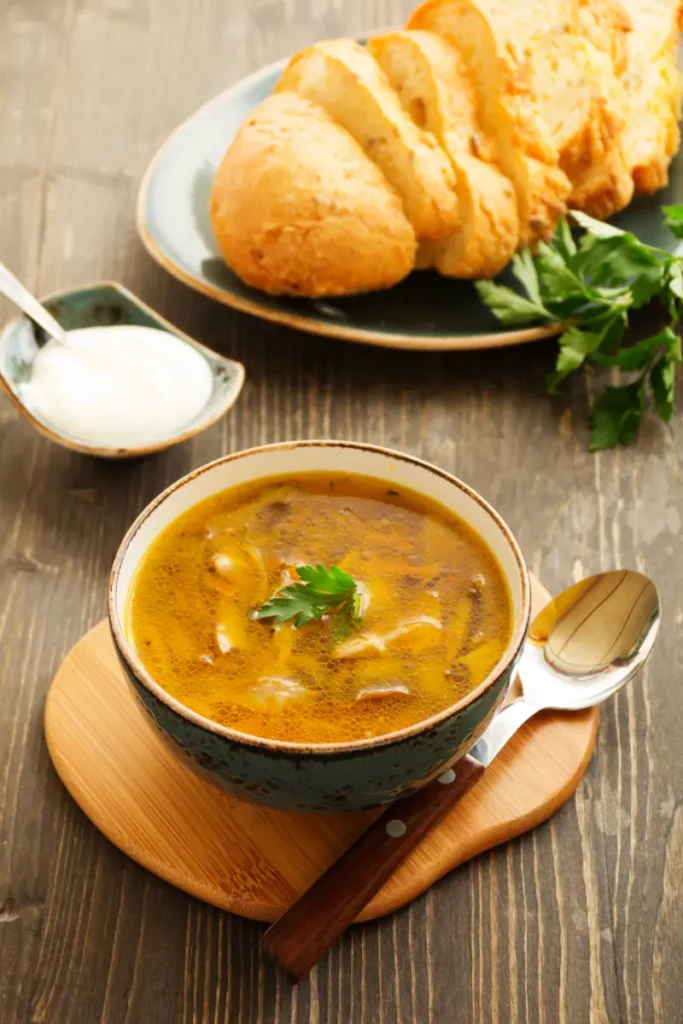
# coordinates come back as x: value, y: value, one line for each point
x: 431, y: 609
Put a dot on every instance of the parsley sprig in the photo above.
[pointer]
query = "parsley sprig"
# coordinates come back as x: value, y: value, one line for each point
x: 320, y: 592
x: 590, y: 289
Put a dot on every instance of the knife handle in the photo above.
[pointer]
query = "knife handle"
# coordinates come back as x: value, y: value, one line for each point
x: 316, y: 920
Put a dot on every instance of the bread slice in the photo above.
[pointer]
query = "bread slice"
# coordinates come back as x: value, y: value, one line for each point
x: 607, y: 25
x: 584, y: 106
x: 653, y: 85
x: 494, y: 37
x: 430, y: 79
x: 299, y: 209
x: 343, y: 78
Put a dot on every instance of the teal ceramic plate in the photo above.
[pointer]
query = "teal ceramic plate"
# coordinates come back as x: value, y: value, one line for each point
x: 426, y: 311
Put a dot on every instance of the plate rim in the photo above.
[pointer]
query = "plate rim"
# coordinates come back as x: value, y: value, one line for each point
x: 299, y: 321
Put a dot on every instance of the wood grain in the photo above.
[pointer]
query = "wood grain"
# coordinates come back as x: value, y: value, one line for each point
x: 248, y: 859
x: 580, y: 920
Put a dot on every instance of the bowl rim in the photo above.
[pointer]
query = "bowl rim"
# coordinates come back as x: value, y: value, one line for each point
x: 133, y: 663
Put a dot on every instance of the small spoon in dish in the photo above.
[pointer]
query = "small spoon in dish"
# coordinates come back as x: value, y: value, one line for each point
x: 583, y: 647
x: 21, y: 297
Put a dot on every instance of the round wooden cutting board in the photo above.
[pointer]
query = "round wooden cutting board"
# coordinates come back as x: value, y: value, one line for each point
x: 251, y: 860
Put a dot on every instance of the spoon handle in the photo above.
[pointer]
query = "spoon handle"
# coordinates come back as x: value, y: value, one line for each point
x: 21, y: 297
x: 311, y: 925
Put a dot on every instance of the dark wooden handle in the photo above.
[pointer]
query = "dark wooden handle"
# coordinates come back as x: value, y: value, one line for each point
x: 311, y: 925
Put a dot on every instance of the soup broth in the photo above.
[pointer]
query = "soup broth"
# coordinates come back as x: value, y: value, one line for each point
x: 435, y: 609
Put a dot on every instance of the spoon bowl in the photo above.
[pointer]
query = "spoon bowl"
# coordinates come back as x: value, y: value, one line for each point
x: 584, y: 646
x: 588, y: 642
x: 100, y: 305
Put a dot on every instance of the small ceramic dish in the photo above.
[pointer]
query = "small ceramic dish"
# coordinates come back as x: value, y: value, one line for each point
x: 325, y: 776
x: 425, y: 311
x: 101, y: 305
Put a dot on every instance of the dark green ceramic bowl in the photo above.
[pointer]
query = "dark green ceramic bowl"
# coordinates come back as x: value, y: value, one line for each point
x: 320, y: 777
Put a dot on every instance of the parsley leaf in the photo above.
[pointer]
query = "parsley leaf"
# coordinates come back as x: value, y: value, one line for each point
x: 591, y: 289
x: 320, y: 591
x: 673, y: 215
x: 555, y: 272
x: 662, y: 379
x: 663, y: 375
x: 616, y: 416
x: 676, y: 279
x: 635, y: 357
x: 596, y: 228
x: 563, y: 240
x: 575, y: 345
x: 524, y: 269
x: 508, y: 306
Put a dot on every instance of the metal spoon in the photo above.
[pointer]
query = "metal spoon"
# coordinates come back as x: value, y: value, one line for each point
x: 21, y: 297
x: 584, y: 646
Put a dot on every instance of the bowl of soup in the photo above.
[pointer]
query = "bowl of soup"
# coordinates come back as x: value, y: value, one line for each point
x: 319, y: 625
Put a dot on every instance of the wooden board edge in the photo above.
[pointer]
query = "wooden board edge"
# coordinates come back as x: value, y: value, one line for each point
x: 387, y: 903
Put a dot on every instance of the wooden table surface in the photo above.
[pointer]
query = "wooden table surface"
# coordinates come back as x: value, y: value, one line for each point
x: 580, y: 921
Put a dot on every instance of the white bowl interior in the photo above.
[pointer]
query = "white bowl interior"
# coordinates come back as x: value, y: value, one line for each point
x: 396, y: 470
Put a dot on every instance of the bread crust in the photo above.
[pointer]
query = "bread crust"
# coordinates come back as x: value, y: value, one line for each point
x: 607, y: 25
x: 653, y: 85
x: 495, y: 46
x: 585, y: 107
x: 430, y: 78
x: 343, y: 78
x: 298, y: 208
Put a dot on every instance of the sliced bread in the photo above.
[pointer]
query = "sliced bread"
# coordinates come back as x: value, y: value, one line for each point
x: 431, y: 80
x: 299, y: 209
x: 494, y: 37
x: 653, y: 84
x: 341, y: 76
x: 584, y: 106
x: 607, y: 25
